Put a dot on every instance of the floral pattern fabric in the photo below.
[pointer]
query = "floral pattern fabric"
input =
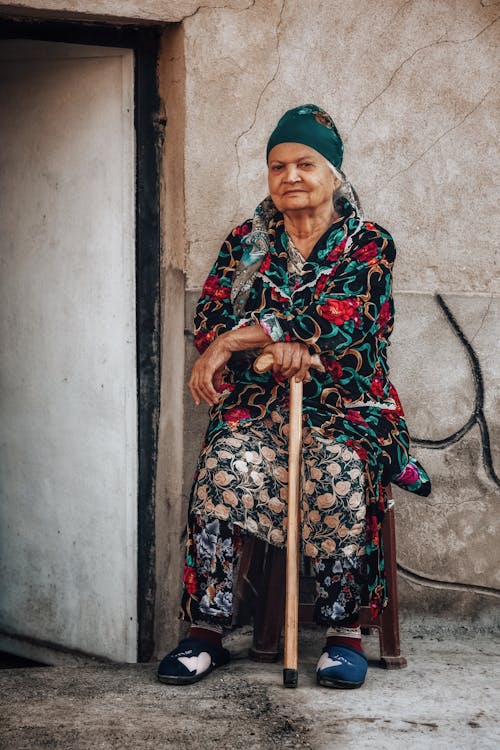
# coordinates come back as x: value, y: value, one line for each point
x: 342, y: 308
x: 339, y: 590
x: 242, y: 477
x: 212, y: 553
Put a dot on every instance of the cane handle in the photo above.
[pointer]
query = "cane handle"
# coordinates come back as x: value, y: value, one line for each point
x: 265, y: 362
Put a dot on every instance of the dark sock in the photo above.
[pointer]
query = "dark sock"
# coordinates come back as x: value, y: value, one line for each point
x: 342, y: 637
x: 204, y: 634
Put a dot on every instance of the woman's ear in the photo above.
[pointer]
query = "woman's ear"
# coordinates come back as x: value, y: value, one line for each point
x: 336, y: 183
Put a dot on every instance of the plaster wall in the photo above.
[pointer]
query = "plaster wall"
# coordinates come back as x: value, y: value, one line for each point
x: 120, y: 11
x: 412, y: 87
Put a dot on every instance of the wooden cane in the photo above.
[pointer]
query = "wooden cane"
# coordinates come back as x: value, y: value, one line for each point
x: 263, y: 363
x: 290, y: 661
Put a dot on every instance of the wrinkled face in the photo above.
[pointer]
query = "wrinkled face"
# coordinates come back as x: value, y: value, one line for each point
x: 300, y: 178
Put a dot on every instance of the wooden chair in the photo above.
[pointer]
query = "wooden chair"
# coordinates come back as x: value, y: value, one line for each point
x: 261, y: 590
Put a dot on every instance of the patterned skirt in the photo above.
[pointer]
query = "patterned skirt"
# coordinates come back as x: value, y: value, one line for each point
x: 242, y: 476
x: 241, y: 487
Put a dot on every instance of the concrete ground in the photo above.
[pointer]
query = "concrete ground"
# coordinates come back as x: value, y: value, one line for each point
x: 447, y: 698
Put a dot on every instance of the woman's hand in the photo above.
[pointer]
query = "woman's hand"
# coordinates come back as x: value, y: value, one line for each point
x: 207, y: 372
x: 291, y: 359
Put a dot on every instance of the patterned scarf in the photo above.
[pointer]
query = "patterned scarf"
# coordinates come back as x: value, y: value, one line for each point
x: 256, y: 244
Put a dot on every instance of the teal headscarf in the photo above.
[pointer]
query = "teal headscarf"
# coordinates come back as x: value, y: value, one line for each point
x: 311, y: 126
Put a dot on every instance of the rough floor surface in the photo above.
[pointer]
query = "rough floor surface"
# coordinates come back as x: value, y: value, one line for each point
x: 447, y: 697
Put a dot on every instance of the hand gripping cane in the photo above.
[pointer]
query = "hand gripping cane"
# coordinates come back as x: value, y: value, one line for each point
x: 263, y: 363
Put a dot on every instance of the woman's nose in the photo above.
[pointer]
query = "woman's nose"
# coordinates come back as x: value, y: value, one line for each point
x: 292, y: 174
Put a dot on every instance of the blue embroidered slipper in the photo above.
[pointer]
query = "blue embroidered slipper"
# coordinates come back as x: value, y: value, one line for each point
x: 341, y: 667
x: 190, y: 661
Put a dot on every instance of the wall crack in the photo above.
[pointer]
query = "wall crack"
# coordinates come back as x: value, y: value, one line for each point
x: 482, y: 319
x: 437, y: 43
x: 217, y: 7
x: 261, y: 95
x: 391, y: 79
x: 440, y: 138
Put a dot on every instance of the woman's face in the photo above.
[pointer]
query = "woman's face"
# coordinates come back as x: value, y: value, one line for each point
x: 300, y: 179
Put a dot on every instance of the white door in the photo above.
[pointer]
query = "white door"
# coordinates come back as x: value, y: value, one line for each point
x: 68, y: 430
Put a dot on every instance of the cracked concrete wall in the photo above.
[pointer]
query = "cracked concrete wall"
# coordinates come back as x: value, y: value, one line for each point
x: 119, y: 11
x: 413, y: 89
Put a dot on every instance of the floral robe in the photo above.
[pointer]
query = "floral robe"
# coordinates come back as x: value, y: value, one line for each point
x: 341, y: 307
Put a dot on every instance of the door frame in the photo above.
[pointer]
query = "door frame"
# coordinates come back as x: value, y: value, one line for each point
x: 149, y: 122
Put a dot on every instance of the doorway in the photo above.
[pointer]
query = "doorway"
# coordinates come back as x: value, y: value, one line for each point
x: 79, y: 337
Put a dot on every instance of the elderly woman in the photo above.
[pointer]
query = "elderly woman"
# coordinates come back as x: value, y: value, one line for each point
x: 307, y: 275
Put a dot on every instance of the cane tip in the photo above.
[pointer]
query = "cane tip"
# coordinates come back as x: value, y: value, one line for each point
x: 290, y: 678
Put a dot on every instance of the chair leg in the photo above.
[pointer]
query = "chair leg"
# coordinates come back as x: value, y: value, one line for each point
x: 390, y: 650
x: 270, y: 607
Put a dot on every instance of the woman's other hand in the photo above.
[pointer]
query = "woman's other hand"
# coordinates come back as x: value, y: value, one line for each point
x: 207, y: 372
x: 290, y: 359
